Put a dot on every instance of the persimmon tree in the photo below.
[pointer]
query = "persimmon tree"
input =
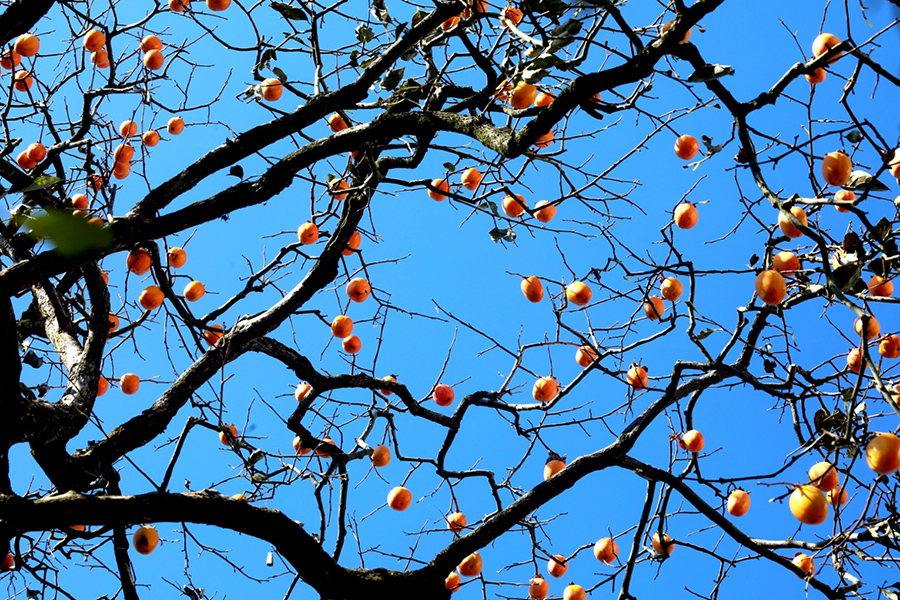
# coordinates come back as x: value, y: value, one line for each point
x: 678, y: 361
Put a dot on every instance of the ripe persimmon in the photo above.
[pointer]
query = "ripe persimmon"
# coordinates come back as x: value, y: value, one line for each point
x: 24, y: 162
x: 336, y: 188
x: 637, y: 377
x: 301, y: 391
x: 450, y: 23
x: 855, y: 360
x: 545, y: 140
x: 512, y: 14
x: 358, y: 289
x: 27, y: 45
x: 175, y: 125
x: 193, y: 291
x: 352, y: 244
x: 785, y: 261
x: 538, y: 588
x: 692, y: 441
x: 771, y: 287
x: 129, y: 383
x: 471, y: 565
x: 663, y: 547
x: 889, y: 347
x: 554, y: 464
x: 351, y: 344
x: 837, y: 496
x: 9, y: 562
x: 452, y: 582
x: 514, y: 206
x: 123, y: 153
x: 391, y: 378
x: 150, y: 42
x: 100, y: 59
x: 545, y: 389
x: 738, y: 503
x: 808, y: 505
x: 80, y: 201
x: 557, y: 565
x: 883, y: 453
x: 139, y: 261
x: 824, y: 476
x: 532, y: 288
x: 471, y: 178
x: 154, y: 60
x: 879, y: 286
x: 151, y: 298
x: 671, y: 289
x: 381, y: 456
x: 544, y: 99
x: 686, y: 215
x: 150, y: 138
x: 873, y: 328
x: 271, y: 88
x: 337, y: 123
x: 218, y: 5
x: 322, y: 450
x: 823, y: 43
x: 574, y: 591
x: 456, y: 522
x: 578, y: 293
x: 836, y: 168
x: 843, y: 196
x: 308, y: 233
x: 787, y: 227
x: 23, y: 81
x: 213, y: 333
x: 817, y: 76
x: 805, y: 563
x: 606, y: 550
x: 298, y: 447
x: 585, y: 355
x: 441, y: 188
x: 145, y: 539
x: 399, y: 498
x: 228, y: 435
x: 94, y: 40
x: 10, y: 59
x: 102, y: 385
x: 545, y: 214
x: 176, y: 257
x: 443, y: 394
x: 36, y: 152
x: 341, y: 326
x: 523, y: 95
x: 113, y: 322
x: 686, y: 147
x: 654, y: 308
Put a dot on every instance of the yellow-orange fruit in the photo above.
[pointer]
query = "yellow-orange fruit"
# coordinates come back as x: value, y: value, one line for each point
x: 808, y: 505
x: 578, y: 293
x: 452, y: 582
x: 544, y: 211
x: 824, y: 476
x: 358, y: 289
x: 654, y: 308
x: 606, y: 550
x: 229, y: 435
x: 308, y: 233
x: 213, y: 333
x: 873, y: 328
x: 129, y: 383
x: 557, y: 565
x: 175, y: 125
x: 771, y: 287
x: 545, y: 389
x: 441, y: 188
x: 176, y: 257
x: 686, y: 147
x: 574, y: 591
x: 194, y: 291
x: 671, y: 289
x: 663, y: 547
x: 738, y: 503
x: 272, y: 89
x: 351, y: 344
x: 145, y: 539
x: 456, y: 522
x: 788, y: 228
x: 471, y: 178
x: 154, y: 60
x: 336, y: 123
x: 879, y: 286
x: 301, y: 391
x: 844, y: 196
x: 585, y: 355
x: 554, y: 465
x: 883, y: 453
x: 692, y: 441
x: 823, y: 43
x: 538, y: 588
x: 889, y: 347
x: 855, y: 360
x: 523, y: 95
x: 533, y: 289
x: 443, y: 394
x: 381, y: 456
x: 836, y: 168
x: 637, y: 377
x: 686, y: 215
x: 151, y: 298
x: 471, y: 565
x: 27, y: 45
x: 785, y: 261
x: 514, y: 207
x: 150, y: 42
x: 341, y: 326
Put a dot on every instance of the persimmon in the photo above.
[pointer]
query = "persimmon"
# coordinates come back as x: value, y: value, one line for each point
x: 336, y: 188
x: 391, y: 378
x: 150, y: 42
x: 671, y: 289
x: 23, y: 81
x: 441, y: 188
x: 123, y: 153
x: 298, y: 447
x: 824, y: 476
x: 606, y: 550
x: 585, y: 355
x: 228, y: 435
x: 817, y: 76
x: 452, y: 582
x: 738, y: 503
x: 10, y: 59
x: 843, y: 196
x: 122, y: 170
x: 808, y: 505
x: 787, y: 227
x: 879, y: 286
x: 663, y: 548
x: 322, y: 450
x: 443, y: 394
x: 883, y: 453
x: 337, y: 123
x: 557, y: 565
x: 532, y: 288
x: 179, y: 5
x: 139, y: 261
x: 218, y: 5
x: 341, y: 326
x: 36, y: 152
x: 352, y: 244
x: 574, y: 591
x: 785, y: 261
x: 271, y: 88
x: 27, y: 45
x: 145, y: 539
x: 668, y: 25
x: 545, y: 389
x: 889, y: 347
x: 837, y: 496
x: 471, y: 565
x: 175, y: 125
x: 685, y: 215
x: 213, y: 333
x: 771, y: 287
x: 102, y: 385
x: 637, y: 377
x: 399, y: 498
x: 554, y: 464
x: 855, y: 360
x: 154, y: 60
x: 9, y: 562
x: 381, y: 456
x: 544, y: 99
x: 358, y: 289
x: 113, y: 322
x: 308, y: 233
x: 450, y: 23
x: 150, y: 138
x: 129, y: 383
x: 686, y: 147
x: 471, y: 178
x: 836, y: 168
x: 523, y: 95
x: 538, y: 588
x: 100, y: 59
x: 193, y: 291
x: 578, y: 293
x: 545, y: 140
x: 894, y: 164
x: 176, y: 257
x: 456, y: 522
x: 301, y: 391
x: 873, y: 328
x: 823, y: 43
x: 24, y: 162
x: 151, y: 298
x: 514, y: 206
x: 805, y: 563
x: 692, y: 441
x: 512, y: 14
x: 351, y: 344
x: 654, y: 308
x: 544, y: 211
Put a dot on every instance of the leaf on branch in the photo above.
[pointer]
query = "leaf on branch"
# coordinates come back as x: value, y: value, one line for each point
x: 237, y: 171
x: 289, y: 12
x: 39, y: 183
x: 754, y: 259
x: 71, y: 234
x: 710, y: 148
x: 882, y: 230
x: 417, y: 18
x: 705, y: 334
x: 32, y: 359
x: 846, y: 276
x: 364, y: 33
x: 267, y: 57
x: 491, y: 206
x: 860, y: 180
x: 392, y: 79
x: 380, y: 11
x: 710, y: 73
x: 854, y: 136
x: 282, y: 77
x: 449, y: 166
x: 498, y: 234
x: 544, y: 62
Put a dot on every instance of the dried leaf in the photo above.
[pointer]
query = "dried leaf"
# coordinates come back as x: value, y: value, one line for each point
x: 710, y: 73
x: 289, y: 12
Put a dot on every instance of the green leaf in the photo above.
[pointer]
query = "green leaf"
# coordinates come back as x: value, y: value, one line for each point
x: 754, y: 259
x: 289, y: 12
x: 499, y: 233
x: 236, y: 171
x: 364, y: 33
x: 449, y: 166
x: 710, y: 73
x: 72, y: 235
x: 392, y: 79
x: 279, y: 74
x: 417, y: 18
x: 39, y: 183
x: 860, y: 180
x: 491, y: 206
x: 854, y: 136
x: 705, y: 334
